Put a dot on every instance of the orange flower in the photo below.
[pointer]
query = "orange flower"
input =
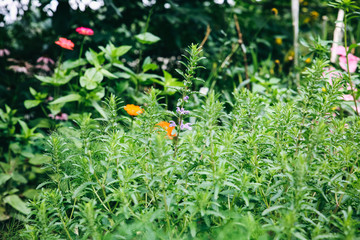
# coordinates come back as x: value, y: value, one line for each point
x: 133, y: 110
x: 167, y: 128
x: 65, y: 43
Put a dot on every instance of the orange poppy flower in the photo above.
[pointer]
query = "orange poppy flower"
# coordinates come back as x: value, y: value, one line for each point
x: 133, y: 110
x: 167, y: 128
x: 65, y: 43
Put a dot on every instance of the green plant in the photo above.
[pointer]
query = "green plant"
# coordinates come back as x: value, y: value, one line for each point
x: 19, y: 165
x: 266, y: 172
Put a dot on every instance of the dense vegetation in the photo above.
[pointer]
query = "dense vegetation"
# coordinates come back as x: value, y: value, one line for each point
x: 130, y: 134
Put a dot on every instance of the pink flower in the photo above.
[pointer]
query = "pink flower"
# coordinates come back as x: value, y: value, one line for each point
x: 348, y: 97
x: 353, y: 61
x: 339, y: 50
x: 4, y: 52
x: 85, y: 31
x: 43, y: 67
x: 358, y: 108
x: 45, y: 60
x: 65, y: 43
x: 64, y: 117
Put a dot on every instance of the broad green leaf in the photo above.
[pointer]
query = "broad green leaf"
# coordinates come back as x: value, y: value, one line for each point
x: 4, y: 177
x: 31, y: 103
x: 69, y: 98
x: 121, y: 86
x: 91, y: 79
x: 39, y: 159
x: 122, y: 50
x: 24, y: 126
x: 71, y: 64
x: 96, y: 59
x: 32, y: 91
x: 31, y: 193
x: 17, y: 203
x: 107, y: 74
x: 99, y: 109
x: 59, y: 78
x: 96, y: 94
x: 147, y: 38
x: 148, y: 65
x: 17, y: 177
x: 192, y: 226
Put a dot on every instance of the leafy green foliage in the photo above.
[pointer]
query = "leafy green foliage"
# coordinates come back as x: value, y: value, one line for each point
x: 265, y: 172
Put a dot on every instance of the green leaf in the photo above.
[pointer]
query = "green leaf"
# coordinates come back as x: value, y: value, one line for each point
x: 69, y: 98
x: 122, y: 50
x: 270, y: 209
x: 79, y: 189
x: 24, y: 126
x: 147, y: 65
x: 91, y: 79
x: 71, y: 64
x: 17, y: 177
x: 59, y: 78
x: 96, y: 94
x: 3, y: 215
x: 94, y: 58
x: 17, y: 203
x: 99, y: 109
x: 31, y: 103
x: 192, y: 226
x: 147, y: 38
x: 4, y: 177
x: 31, y: 193
x: 352, y: 46
x: 32, y: 91
x: 107, y: 74
x: 39, y: 159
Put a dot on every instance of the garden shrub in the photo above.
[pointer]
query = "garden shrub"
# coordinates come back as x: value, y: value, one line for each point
x: 263, y: 170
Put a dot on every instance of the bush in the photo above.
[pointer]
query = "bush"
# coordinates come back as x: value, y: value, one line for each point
x: 260, y: 171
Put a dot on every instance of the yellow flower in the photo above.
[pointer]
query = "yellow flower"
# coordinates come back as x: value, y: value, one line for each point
x: 308, y: 60
x: 274, y: 11
x: 334, y: 108
x: 323, y: 89
x: 167, y: 128
x: 314, y: 14
x: 278, y: 41
x: 277, y: 61
x: 307, y: 20
x: 133, y: 110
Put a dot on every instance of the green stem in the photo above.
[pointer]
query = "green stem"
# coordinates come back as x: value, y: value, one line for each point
x: 65, y: 228
x: 81, y: 48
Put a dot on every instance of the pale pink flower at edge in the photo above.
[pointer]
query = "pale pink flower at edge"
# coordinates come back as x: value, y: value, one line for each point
x: 339, y: 50
x: 353, y: 61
